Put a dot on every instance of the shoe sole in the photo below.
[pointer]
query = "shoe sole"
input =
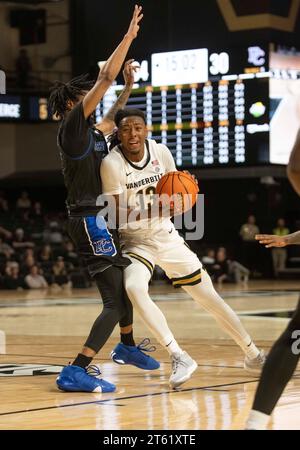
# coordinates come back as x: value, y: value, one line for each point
x: 88, y: 392
x: 256, y: 372
x: 186, y: 377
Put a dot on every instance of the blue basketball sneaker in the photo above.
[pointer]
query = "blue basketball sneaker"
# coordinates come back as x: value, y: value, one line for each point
x: 77, y: 379
x: 129, y: 354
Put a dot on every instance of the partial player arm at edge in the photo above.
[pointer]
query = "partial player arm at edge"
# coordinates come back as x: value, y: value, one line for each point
x: 293, y: 238
x: 293, y: 168
x: 272, y: 240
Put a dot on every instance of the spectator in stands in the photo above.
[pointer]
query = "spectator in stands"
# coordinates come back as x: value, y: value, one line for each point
x: 209, y: 259
x: 228, y: 270
x: 279, y: 254
x: 6, y: 234
x: 249, y: 229
x: 12, y: 278
x: 219, y: 269
x: 60, y: 275
x: 69, y: 253
x: 3, y: 203
x: 29, y: 261
x: 45, y: 258
x: 37, y: 212
x: 5, y: 214
x: 249, y: 245
x: 23, y: 220
x: 23, y: 69
x: 6, y: 249
x: 19, y: 240
x: 53, y: 235
x: 23, y: 201
x: 237, y: 272
x: 28, y: 252
x: 45, y: 254
x: 35, y: 280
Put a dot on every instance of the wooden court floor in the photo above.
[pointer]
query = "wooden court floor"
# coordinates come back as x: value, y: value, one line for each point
x: 42, y: 331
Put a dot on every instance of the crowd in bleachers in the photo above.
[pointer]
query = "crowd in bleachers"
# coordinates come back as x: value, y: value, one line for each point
x: 35, y: 250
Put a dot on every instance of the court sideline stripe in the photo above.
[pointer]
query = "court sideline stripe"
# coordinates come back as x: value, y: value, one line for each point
x: 128, y: 397
x: 102, y: 359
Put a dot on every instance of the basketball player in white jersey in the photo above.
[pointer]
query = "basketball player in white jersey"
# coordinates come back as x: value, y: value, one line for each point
x: 133, y: 168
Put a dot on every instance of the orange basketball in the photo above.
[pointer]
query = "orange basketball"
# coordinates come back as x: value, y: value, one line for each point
x: 180, y: 184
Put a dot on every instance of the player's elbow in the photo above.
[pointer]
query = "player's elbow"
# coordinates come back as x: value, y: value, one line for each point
x: 106, y: 76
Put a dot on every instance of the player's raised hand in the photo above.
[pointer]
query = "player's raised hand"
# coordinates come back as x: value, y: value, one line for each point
x: 271, y: 240
x: 128, y: 72
x: 134, y: 24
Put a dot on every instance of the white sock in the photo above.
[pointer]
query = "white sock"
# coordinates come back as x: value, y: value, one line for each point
x: 257, y: 420
x: 251, y: 351
x: 173, y: 348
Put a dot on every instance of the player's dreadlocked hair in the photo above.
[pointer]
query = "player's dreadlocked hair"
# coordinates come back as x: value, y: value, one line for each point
x: 121, y: 114
x: 61, y: 93
x: 113, y: 140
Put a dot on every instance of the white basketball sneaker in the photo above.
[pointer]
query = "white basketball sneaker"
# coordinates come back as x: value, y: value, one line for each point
x: 183, y: 366
x: 255, y: 365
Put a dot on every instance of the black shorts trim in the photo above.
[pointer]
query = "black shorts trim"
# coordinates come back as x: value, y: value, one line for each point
x: 187, y: 280
x: 143, y: 260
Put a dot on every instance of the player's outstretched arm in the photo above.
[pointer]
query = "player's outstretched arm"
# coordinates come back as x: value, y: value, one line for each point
x: 107, y: 124
x: 270, y: 240
x: 112, y: 66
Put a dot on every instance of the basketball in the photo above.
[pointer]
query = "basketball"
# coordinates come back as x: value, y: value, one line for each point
x: 179, y: 184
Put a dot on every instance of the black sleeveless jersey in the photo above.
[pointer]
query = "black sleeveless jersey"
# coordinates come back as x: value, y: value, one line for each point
x: 82, y: 149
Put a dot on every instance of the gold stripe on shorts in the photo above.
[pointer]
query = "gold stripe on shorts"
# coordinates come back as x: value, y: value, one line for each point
x: 142, y: 260
x: 187, y: 280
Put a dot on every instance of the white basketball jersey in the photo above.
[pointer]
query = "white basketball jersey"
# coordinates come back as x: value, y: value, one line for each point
x: 138, y: 181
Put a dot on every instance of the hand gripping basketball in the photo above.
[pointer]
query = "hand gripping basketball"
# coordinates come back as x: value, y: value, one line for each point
x: 179, y: 190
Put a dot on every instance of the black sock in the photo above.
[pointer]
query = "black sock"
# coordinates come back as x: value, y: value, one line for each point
x: 127, y: 339
x: 81, y: 361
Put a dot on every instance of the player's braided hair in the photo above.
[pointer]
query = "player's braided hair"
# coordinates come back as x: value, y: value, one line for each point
x: 113, y: 140
x: 61, y: 93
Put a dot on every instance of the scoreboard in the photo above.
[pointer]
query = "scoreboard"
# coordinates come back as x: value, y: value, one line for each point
x: 211, y: 108
x: 207, y: 123
x: 24, y: 108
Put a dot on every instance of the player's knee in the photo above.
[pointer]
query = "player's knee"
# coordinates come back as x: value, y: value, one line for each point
x: 115, y: 313
x: 114, y: 306
x: 135, y: 291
